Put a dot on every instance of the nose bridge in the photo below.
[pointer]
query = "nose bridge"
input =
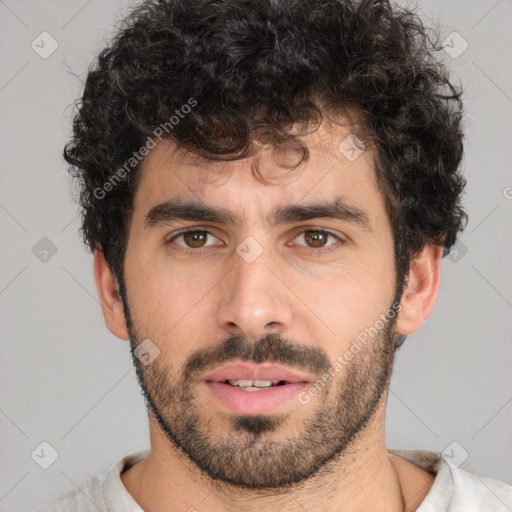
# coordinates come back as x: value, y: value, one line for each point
x: 253, y: 300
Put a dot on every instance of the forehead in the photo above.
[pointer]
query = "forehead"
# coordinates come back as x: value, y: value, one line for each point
x: 338, y: 165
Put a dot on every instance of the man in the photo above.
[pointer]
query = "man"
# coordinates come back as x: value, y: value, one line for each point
x: 269, y: 187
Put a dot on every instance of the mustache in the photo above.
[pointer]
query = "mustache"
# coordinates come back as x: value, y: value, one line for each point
x: 271, y: 348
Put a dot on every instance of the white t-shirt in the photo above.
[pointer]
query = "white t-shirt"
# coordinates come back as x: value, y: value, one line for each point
x: 453, y: 490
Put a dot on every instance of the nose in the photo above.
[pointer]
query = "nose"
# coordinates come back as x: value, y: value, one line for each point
x: 254, y: 301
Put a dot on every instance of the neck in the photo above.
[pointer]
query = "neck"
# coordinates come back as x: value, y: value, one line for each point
x: 362, y: 479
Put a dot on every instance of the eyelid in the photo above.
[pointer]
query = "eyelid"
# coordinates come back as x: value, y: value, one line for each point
x: 302, y: 229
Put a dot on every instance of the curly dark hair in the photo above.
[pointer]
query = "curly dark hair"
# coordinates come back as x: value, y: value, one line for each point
x: 256, y: 69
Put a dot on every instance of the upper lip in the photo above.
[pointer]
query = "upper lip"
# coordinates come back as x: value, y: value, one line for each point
x: 248, y: 371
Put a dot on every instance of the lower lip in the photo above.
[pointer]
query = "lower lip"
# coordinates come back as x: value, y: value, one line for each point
x: 266, y: 401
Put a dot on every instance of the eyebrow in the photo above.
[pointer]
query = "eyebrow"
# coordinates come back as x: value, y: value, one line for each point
x: 177, y: 209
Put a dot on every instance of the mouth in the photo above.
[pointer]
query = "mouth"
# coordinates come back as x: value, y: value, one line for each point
x: 249, y: 389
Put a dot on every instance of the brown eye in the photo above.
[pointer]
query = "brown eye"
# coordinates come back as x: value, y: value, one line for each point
x: 192, y: 239
x: 316, y: 238
x: 195, y: 239
x: 319, y: 242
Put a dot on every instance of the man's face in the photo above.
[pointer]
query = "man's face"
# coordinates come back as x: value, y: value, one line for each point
x: 256, y: 300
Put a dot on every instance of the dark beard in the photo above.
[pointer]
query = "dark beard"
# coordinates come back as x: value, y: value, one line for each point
x: 251, y: 455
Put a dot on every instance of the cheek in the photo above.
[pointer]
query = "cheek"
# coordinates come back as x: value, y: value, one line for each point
x: 167, y: 302
x: 347, y: 299
x: 347, y: 307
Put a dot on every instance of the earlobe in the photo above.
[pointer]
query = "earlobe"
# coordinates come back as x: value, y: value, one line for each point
x: 420, y: 292
x: 110, y: 300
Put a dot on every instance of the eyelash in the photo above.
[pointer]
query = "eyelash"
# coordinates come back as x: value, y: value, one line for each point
x: 311, y: 251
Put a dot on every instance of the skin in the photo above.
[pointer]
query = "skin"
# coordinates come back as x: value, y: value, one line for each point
x: 321, y: 302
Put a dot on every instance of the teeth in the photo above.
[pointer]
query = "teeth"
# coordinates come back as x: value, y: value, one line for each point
x: 262, y: 383
x: 253, y: 385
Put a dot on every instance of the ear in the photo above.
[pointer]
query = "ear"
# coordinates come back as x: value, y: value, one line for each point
x: 420, y: 291
x: 111, y: 302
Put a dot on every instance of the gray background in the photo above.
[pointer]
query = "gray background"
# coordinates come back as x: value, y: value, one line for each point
x: 67, y: 381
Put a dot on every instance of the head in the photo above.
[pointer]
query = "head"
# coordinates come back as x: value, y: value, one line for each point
x: 267, y: 182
